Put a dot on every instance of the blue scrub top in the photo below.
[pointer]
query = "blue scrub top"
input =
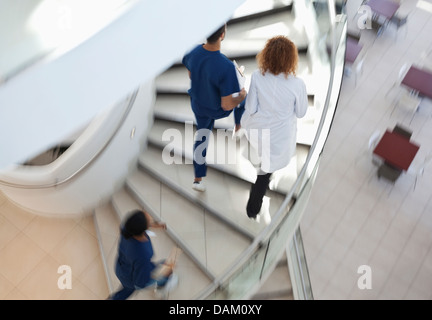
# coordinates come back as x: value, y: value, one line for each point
x: 134, y: 265
x: 213, y: 76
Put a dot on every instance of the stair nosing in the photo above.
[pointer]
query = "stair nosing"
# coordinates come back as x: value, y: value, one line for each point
x: 175, y: 187
x: 215, y: 166
x: 302, y: 50
x: 182, y: 117
x: 271, y: 295
x: 102, y: 253
x: 260, y: 14
x: 171, y: 233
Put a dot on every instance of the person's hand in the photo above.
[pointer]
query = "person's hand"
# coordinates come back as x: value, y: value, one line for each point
x: 243, y: 93
x: 167, y: 269
x: 170, y: 265
x: 162, y: 225
x: 159, y: 225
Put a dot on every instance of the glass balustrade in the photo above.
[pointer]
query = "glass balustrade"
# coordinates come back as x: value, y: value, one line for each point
x: 326, y: 24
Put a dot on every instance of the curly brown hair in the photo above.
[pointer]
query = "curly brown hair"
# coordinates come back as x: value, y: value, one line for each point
x: 279, y: 55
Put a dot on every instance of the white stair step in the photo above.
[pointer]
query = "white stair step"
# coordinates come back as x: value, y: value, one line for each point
x: 225, y: 195
x: 176, y: 79
x: 162, y: 245
x: 277, y: 286
x: 251, y: 7
x: 176, y: 107
x: 123, y: 203
x: 249, y: 37
x: 108, y: 224
x: 151, y: 193
x: 224, y: 153
x: 202, y: 234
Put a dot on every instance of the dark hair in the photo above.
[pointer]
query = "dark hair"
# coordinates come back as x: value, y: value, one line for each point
x: 215, y: 36
x: 279, y: 55
x: 135, y: 224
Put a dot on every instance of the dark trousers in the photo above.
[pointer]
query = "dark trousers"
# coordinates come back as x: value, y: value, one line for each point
x: 123, y: 293
x: 204, y: 127
x: 256, y: 195
x: 238, y: 112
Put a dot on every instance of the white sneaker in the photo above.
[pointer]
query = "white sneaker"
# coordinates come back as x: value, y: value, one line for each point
x: 170, y: 285
x: 257, y: 218
x: 264, y: 212
x: 198, y: 186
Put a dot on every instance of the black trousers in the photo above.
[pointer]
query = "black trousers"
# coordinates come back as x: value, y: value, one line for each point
x: 256, y: 195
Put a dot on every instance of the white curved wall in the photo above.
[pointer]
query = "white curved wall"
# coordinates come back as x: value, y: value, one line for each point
x: 103, y: 177
x: 51, y: 99
x: 87, y: 143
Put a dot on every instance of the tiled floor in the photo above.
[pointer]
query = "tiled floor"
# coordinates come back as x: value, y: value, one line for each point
x: 353, y: 218
x: 32, y: 248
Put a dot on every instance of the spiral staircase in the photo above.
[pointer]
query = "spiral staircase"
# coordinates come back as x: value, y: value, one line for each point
x: 211, y: 228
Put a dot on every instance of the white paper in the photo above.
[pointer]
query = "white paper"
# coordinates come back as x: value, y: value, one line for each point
x: 240, y: 75
x: 151, y: 233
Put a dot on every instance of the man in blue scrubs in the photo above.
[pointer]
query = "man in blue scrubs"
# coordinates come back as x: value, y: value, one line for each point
x: 214, y: 92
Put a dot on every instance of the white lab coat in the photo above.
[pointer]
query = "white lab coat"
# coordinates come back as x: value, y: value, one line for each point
x: 273, y: 104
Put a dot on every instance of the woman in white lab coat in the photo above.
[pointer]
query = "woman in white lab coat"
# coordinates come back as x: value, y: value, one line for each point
x: 275, y: 100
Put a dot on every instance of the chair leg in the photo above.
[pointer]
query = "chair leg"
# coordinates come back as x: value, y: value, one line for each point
x: 414, y: 113
x: 412, y: 117
x: 391, y: 187
x: 371, y: 175
x: 391, y: 88
x: 394, y: 108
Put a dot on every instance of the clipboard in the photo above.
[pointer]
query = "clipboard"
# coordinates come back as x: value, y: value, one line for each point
x: 240, y: 75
